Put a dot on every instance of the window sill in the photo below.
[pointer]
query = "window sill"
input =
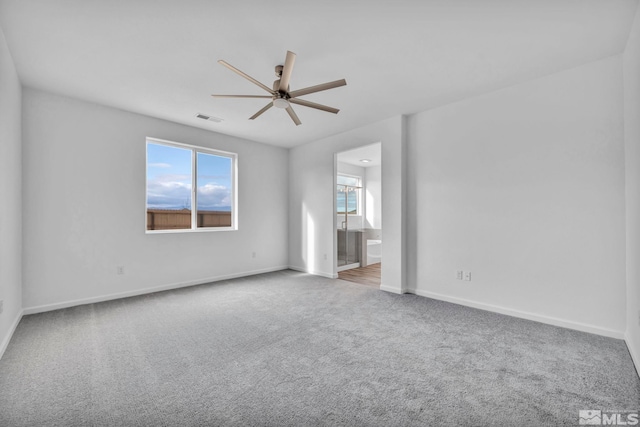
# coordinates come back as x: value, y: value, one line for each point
x: 190, y: 230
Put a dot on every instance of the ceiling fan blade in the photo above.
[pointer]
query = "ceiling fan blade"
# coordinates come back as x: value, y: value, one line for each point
x: 314, y: 105
x: 242, y: 96
x: 317, y: 88
x: 293, y: 116
x: 246, y: 76
x: 266, y: 107
x: 286, y: 71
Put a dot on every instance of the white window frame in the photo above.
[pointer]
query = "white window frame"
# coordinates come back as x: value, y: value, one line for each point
x: 194, y: 189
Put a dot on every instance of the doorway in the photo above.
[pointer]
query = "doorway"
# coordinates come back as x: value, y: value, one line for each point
x: 358, y: 201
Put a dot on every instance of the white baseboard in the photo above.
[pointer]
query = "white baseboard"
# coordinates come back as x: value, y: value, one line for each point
x: 631, y: 345
x: 91, y: 300
x: 391, y: 289
x: 314, y: 272
x: 583, y: 327
x: 12, y: 329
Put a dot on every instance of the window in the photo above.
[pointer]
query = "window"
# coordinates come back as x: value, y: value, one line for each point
x: 348, y: 193
x: 190, y: 188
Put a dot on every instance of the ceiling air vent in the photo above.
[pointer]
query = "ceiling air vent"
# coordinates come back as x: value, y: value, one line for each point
x: 210, y: 118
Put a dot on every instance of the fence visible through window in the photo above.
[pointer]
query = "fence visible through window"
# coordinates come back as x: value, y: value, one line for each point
x: 163, y: 219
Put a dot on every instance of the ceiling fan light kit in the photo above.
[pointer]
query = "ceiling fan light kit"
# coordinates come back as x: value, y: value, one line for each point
x: 281, y: 96
x: 281, y: 103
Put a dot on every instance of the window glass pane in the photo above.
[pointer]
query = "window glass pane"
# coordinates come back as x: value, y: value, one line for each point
x: 169, y: 178
x: 349, y: 180
x: 348, y: 194
x: 341, y: 200
x: 214, y: 197
x: 352, y: 201
x: 347, y: 198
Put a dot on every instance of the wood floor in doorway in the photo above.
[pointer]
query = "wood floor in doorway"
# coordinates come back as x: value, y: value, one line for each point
x: 369, y: 275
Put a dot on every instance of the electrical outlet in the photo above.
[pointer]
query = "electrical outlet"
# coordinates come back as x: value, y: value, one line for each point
x: 467, y: 276
x: 325, y: 257
x: 253, y: 254
x: 459, y: 274
x: 1, y: 305
x: 120, y: 269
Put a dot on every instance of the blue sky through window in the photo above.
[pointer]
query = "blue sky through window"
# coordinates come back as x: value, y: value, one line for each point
x: 169, y: 179
x: 214, y: 182
x: 347, y: 197
x: 350, y: 199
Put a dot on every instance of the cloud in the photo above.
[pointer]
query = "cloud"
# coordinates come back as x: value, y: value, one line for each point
x: 159, y: 165
x: 163, y: 193
x: 172, y: 192
x: 214, y: 196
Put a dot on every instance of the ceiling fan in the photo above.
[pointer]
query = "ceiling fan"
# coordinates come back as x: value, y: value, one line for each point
x: 281, y: 96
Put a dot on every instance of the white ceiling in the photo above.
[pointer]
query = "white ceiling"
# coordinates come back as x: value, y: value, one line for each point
x: 159, y: 57
x: 372, y: 152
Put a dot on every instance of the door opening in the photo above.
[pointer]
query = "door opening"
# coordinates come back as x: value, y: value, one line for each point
x: 358, y: 201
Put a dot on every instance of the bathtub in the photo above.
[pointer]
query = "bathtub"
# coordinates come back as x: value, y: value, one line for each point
x: 374, y: 251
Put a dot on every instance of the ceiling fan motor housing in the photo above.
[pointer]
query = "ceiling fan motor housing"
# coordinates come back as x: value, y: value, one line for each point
x: 276, y: 88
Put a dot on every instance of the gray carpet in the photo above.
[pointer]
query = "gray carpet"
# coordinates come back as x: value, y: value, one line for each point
x: 289, y: 349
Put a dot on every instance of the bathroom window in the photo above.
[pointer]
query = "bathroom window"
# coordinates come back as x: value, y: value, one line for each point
x: 190, y: 188
x: 348, y: 194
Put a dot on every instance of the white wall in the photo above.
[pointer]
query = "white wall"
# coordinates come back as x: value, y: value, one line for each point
x: 373, y: 197
x: 632, y: 167
x: 84, y: 206
x: 524, y: 187
x: 312, y: 221
x: 10, y: 195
